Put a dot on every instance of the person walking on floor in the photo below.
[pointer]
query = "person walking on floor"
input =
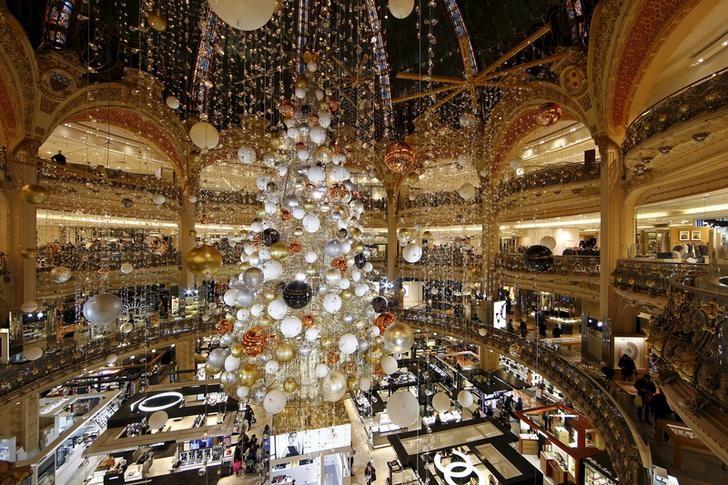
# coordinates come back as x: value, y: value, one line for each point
x: 370, y: 473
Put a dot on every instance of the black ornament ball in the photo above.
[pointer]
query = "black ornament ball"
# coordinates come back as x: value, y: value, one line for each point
x: 126, y: 202
x: 379, y: 303
x: 360, y: 260
x: 538, y: 258
x: 270, y: 237
x: 297, y: 294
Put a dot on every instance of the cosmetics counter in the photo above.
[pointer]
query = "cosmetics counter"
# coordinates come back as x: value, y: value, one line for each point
x: 544, y: 391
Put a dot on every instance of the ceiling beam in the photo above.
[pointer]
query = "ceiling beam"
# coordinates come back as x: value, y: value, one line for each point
x: 429, y: 92
x: 526, y: 65
x: 511, y: 53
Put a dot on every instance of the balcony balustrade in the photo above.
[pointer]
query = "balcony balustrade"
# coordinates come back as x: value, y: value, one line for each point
x: 700, y: 98
x: 552, y: 175
x: 82, y: 259
x: 653, y: 277
x: 438, y: 199
x: 566, y: 265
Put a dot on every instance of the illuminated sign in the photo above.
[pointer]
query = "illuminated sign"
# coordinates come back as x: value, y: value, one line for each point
x: 158, y: 402
x: 458, y: 469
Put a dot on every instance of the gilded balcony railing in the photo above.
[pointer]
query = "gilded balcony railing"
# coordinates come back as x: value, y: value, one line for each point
x: 228, y: 197
x: 564, y: 173
x: 83, y: 259
x: 566, y: 265
x: 438, y: 199
x: 701, y: 97
x: 627, y: 450
x: 85, y: 174
x: 58, y: 361
x: 653, y: 277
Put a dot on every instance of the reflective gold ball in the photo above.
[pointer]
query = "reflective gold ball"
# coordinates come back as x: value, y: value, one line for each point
x: 266, y: 321
x: 248, y: 374
x: 236, y: 350
x: 34, y: 193
x: 327, y: 342
x: 157, y: 21
x: 346, y: 294
x: 375, y: 354
x: 279, y: 251
x: 204, y: 260
x: 284, y: 352
x: 352, y: 383
x: 290, y: 385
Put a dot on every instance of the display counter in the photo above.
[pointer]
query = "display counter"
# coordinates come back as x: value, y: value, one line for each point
x: 528, y: 444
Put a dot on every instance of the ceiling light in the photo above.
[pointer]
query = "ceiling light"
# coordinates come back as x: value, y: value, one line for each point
x: 707, y: 208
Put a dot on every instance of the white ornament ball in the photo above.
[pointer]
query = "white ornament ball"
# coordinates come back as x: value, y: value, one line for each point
x: 441, y: 402
x: 312, y: 333
x: 204, y: 135
x: 271, y: 367
x: 277, y: 309
x: 246, y: 155
x: 316, y: 174
x: 126, y: 268
x: 403, y: 409
x: 216, y: 358
x: 401, y: 8
x: 321, y: 370
x: 158, y: 419
x: 389, y: 365
x: 291, y: 326
x: 274, y: 401
x: 412, y: 252
x: 244, y: 14
x: 348, y: 344
x: 231, y: 297
x: 172, y: 102
x: 465, y: 399
x: 311, y: 223
x: 310, y: 257
x: 231, y: 363
x: 317, y: 135
x: 33, y: 353
x: 332, y: 303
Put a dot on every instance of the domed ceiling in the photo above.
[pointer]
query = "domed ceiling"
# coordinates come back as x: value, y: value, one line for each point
x: 363, y: 49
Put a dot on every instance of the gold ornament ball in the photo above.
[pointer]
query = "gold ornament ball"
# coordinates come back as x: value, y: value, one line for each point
x: 34, y: 193
x: 279, y: 251
x: 210, y: 370
x: 157, y: 21
x: 236, y: 350
x: 284, y: 352
x: 265, y: 321
x: 248, y: 375
x: 290, y: 385
x: 204, y: 260
x: 346, y: 294
x: 327, y: 342
x: 357, y: 247
x: 352, y: 383
x: 375, y: 354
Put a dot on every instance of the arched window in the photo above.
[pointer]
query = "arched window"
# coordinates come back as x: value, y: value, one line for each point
x: 58, y: 22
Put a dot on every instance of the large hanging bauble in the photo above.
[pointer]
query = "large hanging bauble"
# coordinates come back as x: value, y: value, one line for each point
x: 297, y: 294
x: 284, y: 352
x: 277, y: 309
x: 538, y: 258
x: 126, y: 268
x: 332, y: 302
x: 271, y: 236
x: 379, y: 304
x: 204, y: 260
x: 333, y: 386
x: 60, y: 274
x: 412, y: 252
x: 254, y: 341
x: 403, y: 409
x: 384, y: 320
x: 399, y: 337
x: 34, y: 193
x: 33, y: 353
x: 275, y: 401
x: 216, y: 358
x: 548, y: 241
x: 172, y: 102
x: 400, y: 158
x: 102, y: 308
x: 389, y: 365
x: 246, y: 155
x: 244, y: 14
x: 290, y: 385
x: 441, y: 402
x: 465, y: 398
x: 348, y: 344
x: 248, y: 374
x: 204, y: 135
x: 253, y: 276
x: 291, y: 326
x: 401, y: 8
x: 467, y: 191
x: 158, y: 419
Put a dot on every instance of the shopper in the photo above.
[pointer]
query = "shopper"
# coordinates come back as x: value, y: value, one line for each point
x: 248, y: 415
x: 519, y: 404
x: 370, y: 473
x: 626, y: 364
x: 660, y: 407
x: 523, y: 328
x: 509, y: 326
x: 351, y: 462
x: 541, y: 327
x: 556, y: 332
x: 645, y: 390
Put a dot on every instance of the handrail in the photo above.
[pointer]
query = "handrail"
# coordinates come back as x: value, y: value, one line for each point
x: 438, y: 199
x: 16, y: 379
x: 653, y: 277
x: 629, y: 453
x: 82, y: 259
x: 562, y: 173
x: 702, y: 96
x: 80, y: 173
x: 570, y: 264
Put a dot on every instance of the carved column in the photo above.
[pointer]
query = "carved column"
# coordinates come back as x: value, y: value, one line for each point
x: 187, y: 214
x: 613, y: 243
x: 22, y: 170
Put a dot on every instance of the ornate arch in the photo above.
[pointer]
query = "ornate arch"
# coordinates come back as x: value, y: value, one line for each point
x: 625, y: 37
x: 18, y: 80
x: 511, y: 121
x: 134, y: 105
